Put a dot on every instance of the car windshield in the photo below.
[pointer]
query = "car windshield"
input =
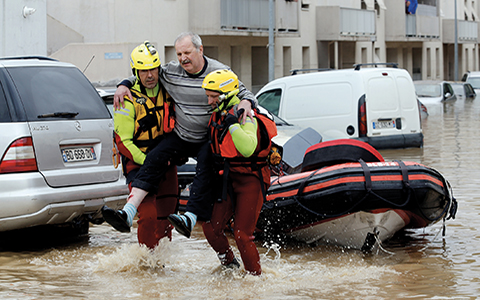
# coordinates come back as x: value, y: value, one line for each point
x: 428, y: 90
x: 49, y: 93
x: 474, y: 81
x: 271, y: 100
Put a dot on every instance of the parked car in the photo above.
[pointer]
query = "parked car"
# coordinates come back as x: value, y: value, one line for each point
x: 433, y: 94
x: 434, y: 91
x: 56, y: 148
x: 376, y: 105
x: 474, y: 79
x: 463, y: 90
x: 107, y: 96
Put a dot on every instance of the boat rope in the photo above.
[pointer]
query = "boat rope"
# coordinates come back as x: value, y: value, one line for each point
x: 381, y: 247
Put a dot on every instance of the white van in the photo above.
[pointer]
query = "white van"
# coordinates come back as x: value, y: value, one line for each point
x: 377, y: 105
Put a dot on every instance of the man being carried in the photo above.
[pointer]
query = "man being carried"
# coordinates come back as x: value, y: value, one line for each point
x: 183, y: 81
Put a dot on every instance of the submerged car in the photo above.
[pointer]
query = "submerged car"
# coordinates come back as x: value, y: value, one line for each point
x: 463, y: 90
x: 473, y: 78
x: 432, y: 92
x: 56, y: 148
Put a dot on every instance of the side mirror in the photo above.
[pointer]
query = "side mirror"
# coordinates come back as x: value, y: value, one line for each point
x: 447, y: 95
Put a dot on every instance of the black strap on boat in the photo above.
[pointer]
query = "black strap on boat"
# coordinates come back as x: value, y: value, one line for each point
x: 304, y: 182
x: 300, y: 192
x: 367, y: 175
x: 368, y: 188
x: 451, y: 207
x: 404, y: 170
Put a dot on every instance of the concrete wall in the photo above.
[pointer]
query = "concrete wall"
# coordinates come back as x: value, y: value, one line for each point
x: 395, y: 26
x: 108, y: 30
x: 21, y: 35
x: 104, y: 64
x: 298, y: 43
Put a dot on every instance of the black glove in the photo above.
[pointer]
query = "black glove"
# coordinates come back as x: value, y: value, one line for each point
x: 230, y: 120
x: 239, y: 113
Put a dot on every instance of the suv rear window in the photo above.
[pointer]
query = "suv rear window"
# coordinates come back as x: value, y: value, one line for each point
x: 4, y: 115
x: 48, y: 90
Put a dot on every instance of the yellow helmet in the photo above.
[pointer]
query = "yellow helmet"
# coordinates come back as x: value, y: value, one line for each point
x: 222, y: 81
x: 144, y: 57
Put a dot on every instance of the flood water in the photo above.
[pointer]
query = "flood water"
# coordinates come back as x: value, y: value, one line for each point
x: 418, y: 264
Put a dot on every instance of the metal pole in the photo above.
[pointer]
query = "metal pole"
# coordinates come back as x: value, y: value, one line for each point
x: 455, y: 75
x: 271, y: 42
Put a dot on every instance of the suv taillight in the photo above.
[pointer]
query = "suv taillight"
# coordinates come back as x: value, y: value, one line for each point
x: 362, y: 117
x: 20, y: 157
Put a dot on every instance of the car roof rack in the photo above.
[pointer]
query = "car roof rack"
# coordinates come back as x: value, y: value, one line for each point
x: 39, y: 57
x: 358, y: 66
x: 295, y: 71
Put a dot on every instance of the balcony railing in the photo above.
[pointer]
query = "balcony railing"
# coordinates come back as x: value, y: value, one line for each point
x: 357, y: 22
x: 467, y: 30
x: 422, y: 26
x: 244, y: 14
x: 253, y: 15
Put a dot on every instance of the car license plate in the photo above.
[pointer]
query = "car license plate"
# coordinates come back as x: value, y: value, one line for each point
x: 384, y: 124
x: 78, y: 154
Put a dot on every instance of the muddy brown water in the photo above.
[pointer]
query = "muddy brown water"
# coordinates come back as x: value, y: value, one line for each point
x: 417, y: 264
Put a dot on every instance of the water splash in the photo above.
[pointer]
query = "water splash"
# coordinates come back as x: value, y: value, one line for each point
x: 135, y: 257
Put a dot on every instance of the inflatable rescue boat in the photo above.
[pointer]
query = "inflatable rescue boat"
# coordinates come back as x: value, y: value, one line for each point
x: 347, y: 195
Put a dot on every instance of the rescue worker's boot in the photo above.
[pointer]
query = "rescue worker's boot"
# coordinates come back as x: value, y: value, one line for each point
x: 116, y: 218
x: 234, y: 264
x: 227, y: 261
x: 183, y: 224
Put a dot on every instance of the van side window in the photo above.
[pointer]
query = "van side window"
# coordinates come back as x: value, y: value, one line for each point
x: 4, y: 111
x: 270, y: 100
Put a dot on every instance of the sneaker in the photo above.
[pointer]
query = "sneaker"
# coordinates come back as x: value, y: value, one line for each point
x: 183, y: 228
x: 234, y: 264
x: 116, y: 218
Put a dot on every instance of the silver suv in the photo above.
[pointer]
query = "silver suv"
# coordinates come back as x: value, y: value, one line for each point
x: 56, y: 147
x: 474, y: 79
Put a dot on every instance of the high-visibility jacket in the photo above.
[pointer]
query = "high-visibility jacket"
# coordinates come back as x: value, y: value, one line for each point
x: 140, y: 125
x: 225, y: 143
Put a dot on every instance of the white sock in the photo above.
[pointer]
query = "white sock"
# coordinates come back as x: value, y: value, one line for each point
x: 192, y: 217
x: 131, y: 211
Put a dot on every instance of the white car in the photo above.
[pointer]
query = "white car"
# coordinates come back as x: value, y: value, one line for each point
x: 56, y: 147
x: 474, y: 79
x: 432, y: 94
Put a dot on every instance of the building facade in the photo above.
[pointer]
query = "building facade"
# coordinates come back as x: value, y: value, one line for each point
x: 98, y: 35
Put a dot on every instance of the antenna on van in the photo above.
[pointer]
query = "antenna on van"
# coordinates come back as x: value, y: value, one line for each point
x: 88, y: 63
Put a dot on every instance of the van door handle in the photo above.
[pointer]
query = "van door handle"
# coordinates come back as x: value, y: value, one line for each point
x: 398, y: 123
